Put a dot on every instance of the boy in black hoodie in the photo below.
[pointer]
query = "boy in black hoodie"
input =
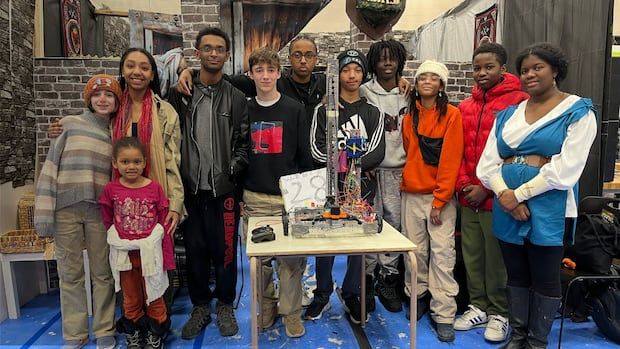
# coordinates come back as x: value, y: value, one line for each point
x: 355, y: 114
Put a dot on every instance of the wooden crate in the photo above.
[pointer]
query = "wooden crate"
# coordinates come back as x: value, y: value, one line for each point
x: 22, y: 241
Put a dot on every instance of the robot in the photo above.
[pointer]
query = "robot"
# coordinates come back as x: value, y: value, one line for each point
x: 345, y: 212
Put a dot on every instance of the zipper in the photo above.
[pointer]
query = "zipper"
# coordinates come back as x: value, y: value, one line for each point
x: 195, y: 142
x: 484, y: 104
x: 213, y: 115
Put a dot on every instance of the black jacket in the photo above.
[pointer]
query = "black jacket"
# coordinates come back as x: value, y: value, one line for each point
x: 230, y: 137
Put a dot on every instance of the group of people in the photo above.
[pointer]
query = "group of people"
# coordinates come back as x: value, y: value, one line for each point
x: 214, y: 152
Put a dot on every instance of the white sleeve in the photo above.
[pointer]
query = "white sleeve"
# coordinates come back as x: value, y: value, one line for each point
x: 564, y: 169
x: 489, y: 169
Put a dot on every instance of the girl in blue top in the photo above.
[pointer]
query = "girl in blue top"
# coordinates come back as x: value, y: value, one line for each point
x: 532, y: 161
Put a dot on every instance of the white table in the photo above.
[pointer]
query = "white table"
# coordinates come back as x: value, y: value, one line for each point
x: 389, y: 240
x: 10, y: 286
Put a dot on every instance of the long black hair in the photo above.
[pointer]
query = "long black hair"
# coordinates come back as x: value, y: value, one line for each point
x: 397, y: 51
x: 154, y: 84
x: 441, y: 102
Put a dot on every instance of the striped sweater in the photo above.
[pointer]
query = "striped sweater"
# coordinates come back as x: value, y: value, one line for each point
x: 77, y: 167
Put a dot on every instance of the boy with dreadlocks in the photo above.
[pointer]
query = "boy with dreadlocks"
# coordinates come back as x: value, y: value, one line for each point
x: 386, y: 60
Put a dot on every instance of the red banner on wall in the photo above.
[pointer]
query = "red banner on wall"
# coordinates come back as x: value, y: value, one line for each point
x: 485, y: 26
x: 71, y: 20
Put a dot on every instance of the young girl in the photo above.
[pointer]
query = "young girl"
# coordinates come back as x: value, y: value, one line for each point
x: 73, y: 175
x: 433, y: 142
x: 134, y: 210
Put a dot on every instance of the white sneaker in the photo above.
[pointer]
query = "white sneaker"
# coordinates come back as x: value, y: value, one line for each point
x: 497, y: 328
x: 474, y: 317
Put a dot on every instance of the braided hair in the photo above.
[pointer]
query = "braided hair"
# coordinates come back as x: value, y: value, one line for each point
x: 396, y: 50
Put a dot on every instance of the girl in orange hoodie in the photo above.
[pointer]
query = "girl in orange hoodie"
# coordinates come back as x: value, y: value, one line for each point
x: 433, y: 141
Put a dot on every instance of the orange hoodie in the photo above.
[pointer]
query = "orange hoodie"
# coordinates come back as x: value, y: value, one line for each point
x: 420, y: 178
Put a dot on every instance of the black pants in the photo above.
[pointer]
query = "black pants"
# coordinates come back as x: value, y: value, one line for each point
x: 324, y: 280
x: 533, y: 266
x: 210, y: 236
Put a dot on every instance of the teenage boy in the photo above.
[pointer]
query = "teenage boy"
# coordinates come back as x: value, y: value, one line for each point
x: 386, y: 60
x: 495, y: 90
x: 214, y: 128
x: 280, y: 139
x: 355, y: 114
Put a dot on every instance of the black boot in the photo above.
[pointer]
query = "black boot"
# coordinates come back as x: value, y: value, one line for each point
x: 155, y: 332
x: 387, y: 294
x: 370, y: 293
x: 133, y: 333
x: 542, y: 314
x: 518, y: 312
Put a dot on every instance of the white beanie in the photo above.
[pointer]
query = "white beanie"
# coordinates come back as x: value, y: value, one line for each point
x: 430, y: 66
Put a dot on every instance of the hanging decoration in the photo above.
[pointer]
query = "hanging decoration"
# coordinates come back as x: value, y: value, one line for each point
x: 71, y: 27
x: 375, y: 17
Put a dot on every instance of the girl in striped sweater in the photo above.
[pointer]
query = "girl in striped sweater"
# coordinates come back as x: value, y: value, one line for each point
x: 74, y: 173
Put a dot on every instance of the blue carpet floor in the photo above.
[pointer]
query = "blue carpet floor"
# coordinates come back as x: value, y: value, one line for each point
x: 40, y: 327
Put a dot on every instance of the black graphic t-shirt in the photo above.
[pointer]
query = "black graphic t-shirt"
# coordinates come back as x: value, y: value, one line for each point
x: 280, y: 144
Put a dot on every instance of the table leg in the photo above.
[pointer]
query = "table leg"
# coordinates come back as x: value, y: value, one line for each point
x: 259, y: 291
x: 10, y: 288
x: 254, y: 301
x: 413, y: 300
x: 363, y: 292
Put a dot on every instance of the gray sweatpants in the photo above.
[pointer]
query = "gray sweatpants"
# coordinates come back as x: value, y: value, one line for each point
x: 387, y: 205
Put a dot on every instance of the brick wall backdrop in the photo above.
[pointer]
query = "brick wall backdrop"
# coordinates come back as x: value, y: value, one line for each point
x: 195, y: 15
x: 17, y: 125
x: 58, y: 89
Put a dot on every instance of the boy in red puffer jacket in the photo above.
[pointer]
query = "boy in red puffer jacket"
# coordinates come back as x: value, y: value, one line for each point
x: 495, y: 90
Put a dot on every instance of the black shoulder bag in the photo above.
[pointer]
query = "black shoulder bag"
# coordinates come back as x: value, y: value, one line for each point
x: 429, y: 147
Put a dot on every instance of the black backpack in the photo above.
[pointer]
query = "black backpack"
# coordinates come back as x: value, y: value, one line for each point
x: 605, y: 305
x: 597, y: 236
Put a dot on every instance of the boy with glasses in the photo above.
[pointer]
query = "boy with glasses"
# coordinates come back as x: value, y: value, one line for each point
x: 215, y: 137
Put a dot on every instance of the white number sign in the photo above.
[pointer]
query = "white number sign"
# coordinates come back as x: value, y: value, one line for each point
x: 306, y: 189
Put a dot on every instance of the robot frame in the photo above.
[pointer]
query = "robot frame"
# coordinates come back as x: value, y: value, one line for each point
x: 346, y: 212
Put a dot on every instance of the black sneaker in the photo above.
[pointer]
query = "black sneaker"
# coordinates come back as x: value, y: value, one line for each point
x: 386, y: 291
x: 155, y: 333
x: 134, y: 340
x: 226, y: 322
x: 315, y: 310
x: 353, y: 307
x: 445, y: 332
x: 370, y: 293
x: 132, y: 331
x: 154, y: 341
x: 199, y: 319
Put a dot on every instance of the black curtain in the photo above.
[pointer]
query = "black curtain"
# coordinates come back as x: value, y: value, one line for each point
x: 582, y: 28
x: 92, y: 29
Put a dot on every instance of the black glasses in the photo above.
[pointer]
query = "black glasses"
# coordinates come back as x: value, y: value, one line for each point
x: 209, y: 49
x: 308, y: 55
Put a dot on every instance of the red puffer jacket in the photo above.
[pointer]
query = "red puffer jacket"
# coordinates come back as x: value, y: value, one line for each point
x: 478, y: 113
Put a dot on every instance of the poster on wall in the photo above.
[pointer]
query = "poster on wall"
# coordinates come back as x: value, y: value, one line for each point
x: 71, y: 27
x: 274, y: 23
x: 485, y: 26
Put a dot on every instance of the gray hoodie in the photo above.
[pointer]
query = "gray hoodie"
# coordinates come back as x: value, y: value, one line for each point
x: 394, y: 106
